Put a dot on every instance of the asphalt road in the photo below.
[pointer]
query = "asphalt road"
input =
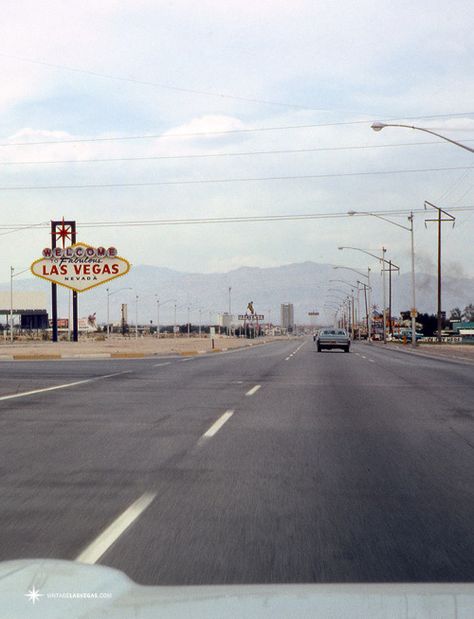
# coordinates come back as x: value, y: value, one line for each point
x: 336, y: 468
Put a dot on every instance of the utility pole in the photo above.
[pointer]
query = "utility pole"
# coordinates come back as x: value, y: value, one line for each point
x: 391, y: 267
x: 108, y: 313
x: 390, y: 326
x: 358, y: 312
x: 136, y: 317
x: 384, y: 297
x: 157, y: 318
x: 369, y: 314
x: 353, y: 314
x: 366, y: 309
x: 11, y: 303
x: 439, y: 220
x: 413, y: 287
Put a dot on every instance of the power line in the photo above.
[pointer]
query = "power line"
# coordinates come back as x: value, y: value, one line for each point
x: 160, y: 136
x: 231, y: 219
x: 227, y: 180
x: 20, y: 227
x: 217, y: 155
x: 162, y: 85
x: 181, y: 89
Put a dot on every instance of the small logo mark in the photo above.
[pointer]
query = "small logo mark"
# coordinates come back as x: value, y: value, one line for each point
x: 34, y: 595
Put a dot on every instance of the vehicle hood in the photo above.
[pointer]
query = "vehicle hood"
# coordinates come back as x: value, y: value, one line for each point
x: 69, y: 589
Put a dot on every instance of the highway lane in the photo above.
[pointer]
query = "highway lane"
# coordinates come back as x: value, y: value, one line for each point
x: 335, y: 467
x: 72, y: 459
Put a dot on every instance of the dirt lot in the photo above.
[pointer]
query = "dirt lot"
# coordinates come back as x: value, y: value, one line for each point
x: 128, y: 346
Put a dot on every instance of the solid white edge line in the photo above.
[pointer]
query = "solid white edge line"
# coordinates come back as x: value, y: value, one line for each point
x: 253, y: 390
x: 104, y: 541
x: 65, y: 386
x: 216, y: 426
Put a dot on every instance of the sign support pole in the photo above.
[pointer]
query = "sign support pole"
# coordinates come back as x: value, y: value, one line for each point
x: 78, y: 267
x: 75, y: 330
x: 54, y: 287
x: 54, y: 290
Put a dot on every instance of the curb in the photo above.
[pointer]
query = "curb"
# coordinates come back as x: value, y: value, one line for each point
x: 127, y: 355
x: 40, y: 357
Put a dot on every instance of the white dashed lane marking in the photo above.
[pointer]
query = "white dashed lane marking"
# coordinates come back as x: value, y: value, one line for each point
x: 253, y: 390
x: 65, y: 386
x: 217, y: 425
x: 101, y: 544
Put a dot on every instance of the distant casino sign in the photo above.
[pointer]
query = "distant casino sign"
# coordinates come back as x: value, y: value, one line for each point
x: 80, y: 266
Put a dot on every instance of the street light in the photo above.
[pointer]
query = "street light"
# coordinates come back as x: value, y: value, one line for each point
x: 383, y: 260
x: 136, y: 317
x: 11, y: 304
x: 368, y: 303
x: 109, y: 294
x: 352, y: 286
x: 329, y: 309
x: 334, y: 299
x: 12, y: 275
x: 351, y: 269
x: 343, y: 281
x: 158, y: 303
x: 411, y: 230
x: 378, y: 126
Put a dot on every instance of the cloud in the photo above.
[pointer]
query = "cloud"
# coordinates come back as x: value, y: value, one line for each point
x: 351, y: 59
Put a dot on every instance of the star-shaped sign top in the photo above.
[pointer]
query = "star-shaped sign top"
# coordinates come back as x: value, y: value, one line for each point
x: 63, y: 232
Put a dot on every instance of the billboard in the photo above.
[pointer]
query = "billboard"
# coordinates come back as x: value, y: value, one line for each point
x: 80, y: 267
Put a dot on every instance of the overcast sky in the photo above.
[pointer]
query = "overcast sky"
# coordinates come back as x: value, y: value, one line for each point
x: 278, y: 64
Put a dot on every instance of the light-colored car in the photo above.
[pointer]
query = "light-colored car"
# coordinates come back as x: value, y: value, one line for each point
x: 333, y: 338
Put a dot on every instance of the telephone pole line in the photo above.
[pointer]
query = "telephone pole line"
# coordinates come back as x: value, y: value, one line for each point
x: 439, y: 220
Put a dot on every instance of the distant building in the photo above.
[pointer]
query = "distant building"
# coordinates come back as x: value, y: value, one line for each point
x: 29, y: 306
x: 465, y: 330
x: 225, y: 321
x: 287, y: 317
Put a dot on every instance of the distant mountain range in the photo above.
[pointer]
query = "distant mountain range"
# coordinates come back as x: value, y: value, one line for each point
x: 303, y: 284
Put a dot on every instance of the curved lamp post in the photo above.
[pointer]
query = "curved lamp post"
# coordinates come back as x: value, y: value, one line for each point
x: 109, y: 294
x: 383, y: 261
x: 355, y: 318
x: 158, y: 305
x: 367, y: 288
x: 378, y: 126
x: 411, y: 230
